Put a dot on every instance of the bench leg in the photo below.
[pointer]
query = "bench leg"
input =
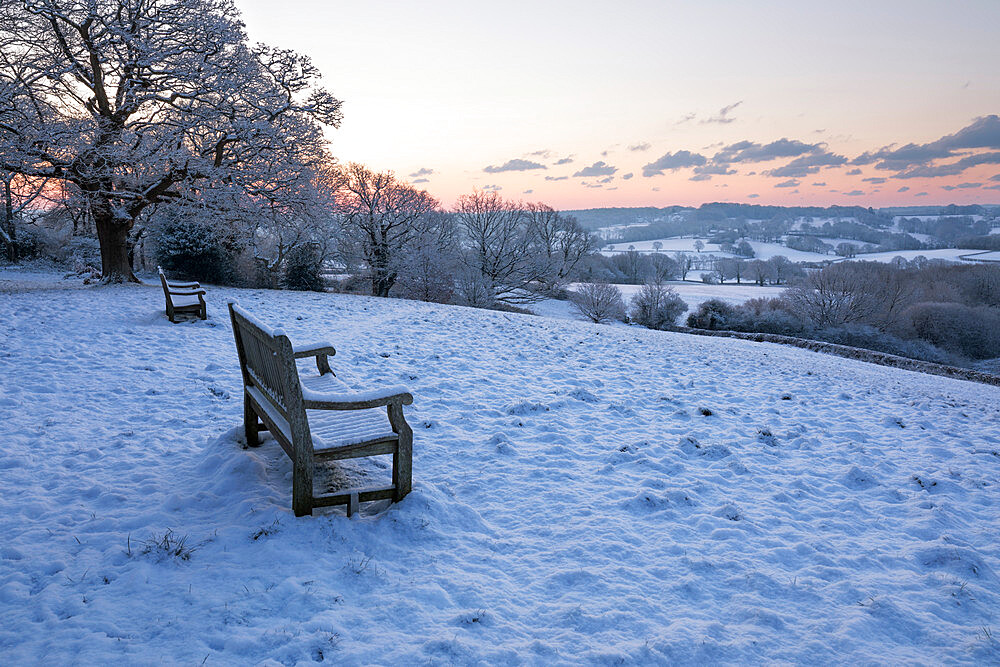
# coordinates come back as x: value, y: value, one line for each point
x: 302, y: 468
x: 250, y: 423
x: 352, y: 505
x: 402, y: 457
x: 301, y: 489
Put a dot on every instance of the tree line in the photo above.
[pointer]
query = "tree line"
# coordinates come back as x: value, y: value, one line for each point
x: 932, y: 310
x: 158, y: 128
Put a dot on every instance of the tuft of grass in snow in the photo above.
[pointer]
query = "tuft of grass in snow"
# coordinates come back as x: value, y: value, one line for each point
x: 163, y: 546
x: 265, y: 531
x: 361, y: 565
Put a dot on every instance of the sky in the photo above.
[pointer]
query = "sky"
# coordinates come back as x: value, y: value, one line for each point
x: 653, y: 103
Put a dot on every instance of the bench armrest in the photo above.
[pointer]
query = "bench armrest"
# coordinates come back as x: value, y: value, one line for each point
x: 315, y: 400
x: 186, y: 292
x: 320, y: 350
x: 312, y: 349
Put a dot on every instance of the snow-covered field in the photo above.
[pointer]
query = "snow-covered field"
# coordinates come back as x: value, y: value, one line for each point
x: 761, y: 250
x: 693, y: 294
x: 768, y: 250
x: 582, y: 494
x: 674, y: 244
x: 951, y: 254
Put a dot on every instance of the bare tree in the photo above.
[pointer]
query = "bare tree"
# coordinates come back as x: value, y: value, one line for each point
x: 138, y: 103
x: 684, y: 263
x: 19, y: 193
x: 561, y: 239
x: 599, y: 302
x: 729, y: 267
x: 295, y: 218
x: 760, y: 271
x: 501, y: 257
x: 852, y: 292
x: 846, y: 249
x: 662, y: 267
x: 782, y: 268
x: 656, y: 306
x: 382, y: 217
x: 429, y: 269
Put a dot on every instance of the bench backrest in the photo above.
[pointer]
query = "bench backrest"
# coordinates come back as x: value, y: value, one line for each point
x: 268, y: 365
x: 166, y: 287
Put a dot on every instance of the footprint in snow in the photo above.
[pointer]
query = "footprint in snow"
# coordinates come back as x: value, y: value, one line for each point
x: 527, y: 407
x: 692, y: 447
x: 856, y: 478
x: 765, y: 436
x: 729, y: 511
x: 583, y: 395
x: 503, y: 445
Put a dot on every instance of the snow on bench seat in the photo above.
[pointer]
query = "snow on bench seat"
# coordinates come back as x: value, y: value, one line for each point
x: 318, y: 416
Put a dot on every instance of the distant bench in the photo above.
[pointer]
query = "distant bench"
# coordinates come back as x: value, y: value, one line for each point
x: 183, y: 298
x: 318, y: 418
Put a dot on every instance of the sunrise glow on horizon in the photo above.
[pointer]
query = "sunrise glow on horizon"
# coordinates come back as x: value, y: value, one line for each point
x: 581, y: 104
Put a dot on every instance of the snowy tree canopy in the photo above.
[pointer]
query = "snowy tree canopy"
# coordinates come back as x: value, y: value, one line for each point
x: 138, y: 102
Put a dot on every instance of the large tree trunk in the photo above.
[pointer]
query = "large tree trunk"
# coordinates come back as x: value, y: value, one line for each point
x: 382, y: 278
x: 382, y: 282
x: 113, y: 236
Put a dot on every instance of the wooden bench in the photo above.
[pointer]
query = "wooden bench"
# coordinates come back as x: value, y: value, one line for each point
x: 183, y: 298
x: 318, y: 417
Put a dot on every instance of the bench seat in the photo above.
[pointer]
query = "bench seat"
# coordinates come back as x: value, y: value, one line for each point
x: 332, y: 429
x: 182, y: 301
x: 318, y: 416
x: 182, y: 298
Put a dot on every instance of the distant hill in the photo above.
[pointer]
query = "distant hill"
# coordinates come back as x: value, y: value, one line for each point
x: 595, y: 218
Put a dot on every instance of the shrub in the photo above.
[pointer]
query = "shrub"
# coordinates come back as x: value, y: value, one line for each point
x: 869, y: 338
x: 656, y: 306
x: 779, y: 322
x: 29, y: 243
x: 712, y: 314
x: 427, y: 273
x: 599, y: 302
x: 303, y: 269
x: 970, y: 331
x: 352, y: 284
x: 190, y: 246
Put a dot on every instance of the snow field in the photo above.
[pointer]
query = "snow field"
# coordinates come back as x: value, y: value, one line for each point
x: 766, y: 251
x: 693, y: 294
x: 950, y: 254
x: 573, y: 501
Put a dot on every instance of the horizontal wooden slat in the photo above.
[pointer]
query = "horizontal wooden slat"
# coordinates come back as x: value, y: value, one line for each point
x: 364, y: 495
x: 386, y: 446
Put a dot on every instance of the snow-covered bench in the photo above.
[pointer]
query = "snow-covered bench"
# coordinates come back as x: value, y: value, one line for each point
x: 318, y: 417
x: 183, y: 298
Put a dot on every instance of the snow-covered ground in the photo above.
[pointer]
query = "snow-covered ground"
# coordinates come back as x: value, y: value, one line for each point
x: 693, y: 294
x: 951, y: 254
x: 674, y: 244
x: 769, y: 250
x: 686, y: 244
x: 582, y: 494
